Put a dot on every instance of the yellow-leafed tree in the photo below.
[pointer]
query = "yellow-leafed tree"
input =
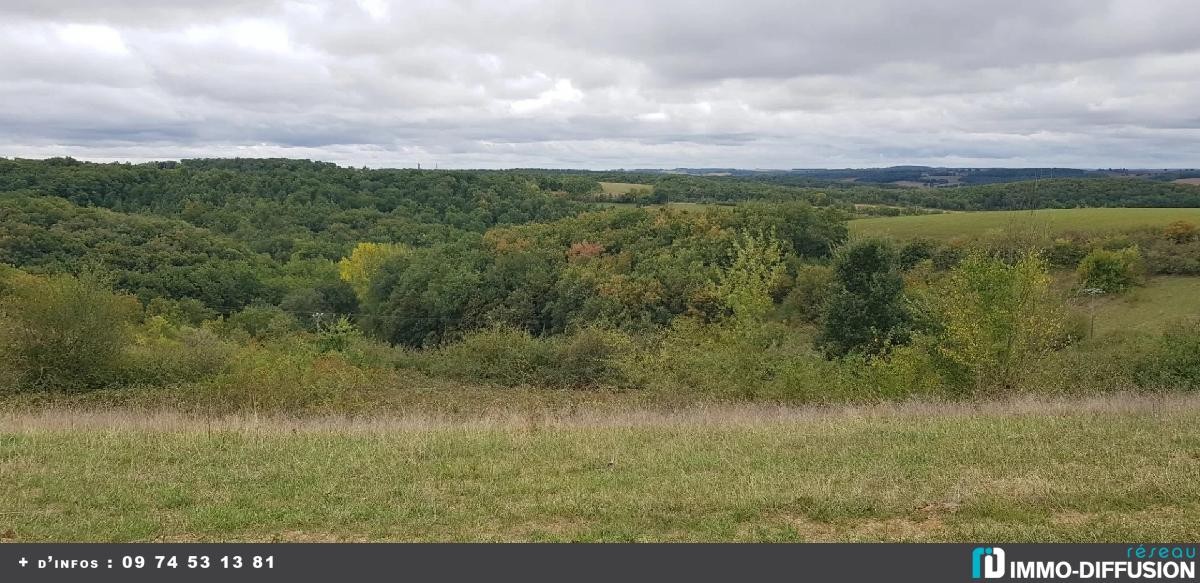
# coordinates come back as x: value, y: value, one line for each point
x: 364, y: 262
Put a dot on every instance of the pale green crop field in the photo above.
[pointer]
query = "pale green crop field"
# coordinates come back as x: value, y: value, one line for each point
x: 619, y: 188
x: 1089, y: 220
x: 1161, y: 302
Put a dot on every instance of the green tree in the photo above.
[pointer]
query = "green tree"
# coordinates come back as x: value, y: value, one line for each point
x: 746, y: 285
x: 364, y: 262
x: 867, y: 313
x: 428, y: 295
x: 998, y: 319
x: 813, y: 286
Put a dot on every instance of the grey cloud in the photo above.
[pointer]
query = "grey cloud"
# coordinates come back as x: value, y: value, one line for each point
x: 619, y: 83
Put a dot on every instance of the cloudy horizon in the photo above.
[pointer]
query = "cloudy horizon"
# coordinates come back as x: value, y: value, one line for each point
x: 600, y: 85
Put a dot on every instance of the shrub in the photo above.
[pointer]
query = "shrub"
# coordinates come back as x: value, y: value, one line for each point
x: 260, y: 322
x: 1066, y: 252
x: 1170, y: 258
x: 336, y: 336
x: 586, y: 358
x: 733, y: 360
x: 917, y: 250
x: 63, y: 332
x: 1180, y: 232
x: 185, y: 354
x: 1111, y: 271
x: 499, y: 355
x: 290, y: 375
x: 190, y: 312
x: 1174, y: 362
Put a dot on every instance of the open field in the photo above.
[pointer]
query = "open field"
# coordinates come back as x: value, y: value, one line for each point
x: 619, y: 188
x: 1090, y: 220
x: 1162, y: 301
x: 1119, y: 468
x: 1192, y: 181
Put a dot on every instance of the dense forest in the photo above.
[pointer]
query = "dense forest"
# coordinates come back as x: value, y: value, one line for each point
x: 219, y: 271
x: 1000, y: 195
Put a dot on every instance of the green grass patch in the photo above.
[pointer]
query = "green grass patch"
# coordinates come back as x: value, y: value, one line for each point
x: 1151, y: 308
x: 1113, y: 470
x: 1087, y: 220
x: 620, y: 188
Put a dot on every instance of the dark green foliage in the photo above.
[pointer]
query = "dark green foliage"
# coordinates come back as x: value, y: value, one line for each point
x: 147, y: 256
x: 325, y: 299
x: 867, y: 313
x: 809, y: 232
x: 189, y: 312
x: 814, y: 285
x: 590, y: 357
x: 1065, y: 252
x: 1174, y: 361
x: 63, y: 333
x: 259, y: 321
x: 631, y: 269
x: 1056, y: 193
x: 983, y: 189
x: 423, y: 297
x: 917, y: 250
x: 282, y: 207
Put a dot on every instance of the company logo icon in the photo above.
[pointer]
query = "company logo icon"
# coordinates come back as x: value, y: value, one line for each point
x: 987, y: 563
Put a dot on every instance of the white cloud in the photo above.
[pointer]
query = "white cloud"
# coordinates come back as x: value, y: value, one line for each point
x: 92, y: 37
x: 563, y: 93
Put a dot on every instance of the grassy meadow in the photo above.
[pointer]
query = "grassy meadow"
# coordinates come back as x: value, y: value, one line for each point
x: 1161, y: 301
x: 1083, y: 220
x: 1122, y: 468
x: 620, y: 188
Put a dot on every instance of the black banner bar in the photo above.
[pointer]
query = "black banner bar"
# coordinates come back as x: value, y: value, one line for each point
x: 595, y: 562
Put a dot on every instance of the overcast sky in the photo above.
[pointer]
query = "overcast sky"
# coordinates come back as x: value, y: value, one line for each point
x: 606, y: 84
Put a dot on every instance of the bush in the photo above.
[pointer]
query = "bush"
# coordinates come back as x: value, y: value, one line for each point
x: 189, y: 312
x: 587, y: 358
x: 1180, y: 232
x: 290, y: 375
x: 186, y: 354
x: 1111, y: 271
x: 63, y: 332
x: 498, y: 355
x: 917, y: 250
x: 737, y: 361
x: 1174, y: 362
x: 1066, y: 252
x: 260, y: 322
x: 1165, y: 257
x: 336, y: 336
